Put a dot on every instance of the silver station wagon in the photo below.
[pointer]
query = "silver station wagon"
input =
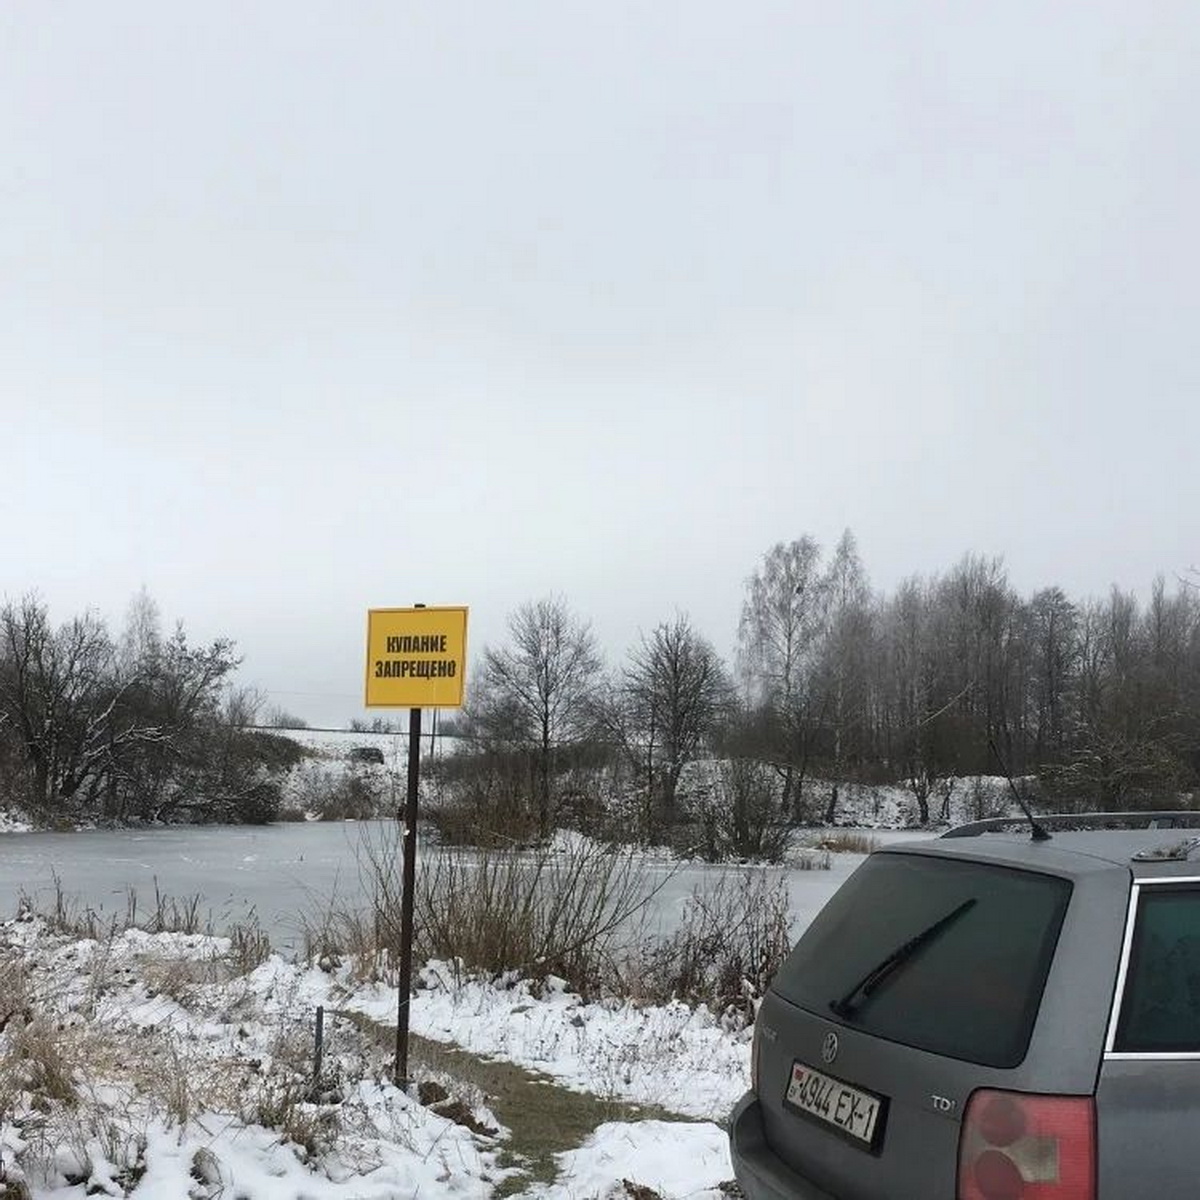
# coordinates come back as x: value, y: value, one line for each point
x: 989, y: 1016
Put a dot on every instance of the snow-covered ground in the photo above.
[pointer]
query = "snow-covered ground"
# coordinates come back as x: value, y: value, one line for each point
x: 178, y: 1066
x: 669, y: 1158
x: 953, y: 801
x: 143, y: 1066
x: 338, y: 743
x: 12, y: 822
x: 672, y: 1056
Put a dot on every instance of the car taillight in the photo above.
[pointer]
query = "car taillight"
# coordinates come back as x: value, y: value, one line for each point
x: 1015, y: 1146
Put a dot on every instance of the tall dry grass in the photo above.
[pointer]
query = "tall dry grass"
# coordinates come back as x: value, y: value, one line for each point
x: 569, y: 910
x: 579, y: 911
x: 64, y: 913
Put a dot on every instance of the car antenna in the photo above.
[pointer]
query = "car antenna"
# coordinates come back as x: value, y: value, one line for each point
x: 1037, y: 830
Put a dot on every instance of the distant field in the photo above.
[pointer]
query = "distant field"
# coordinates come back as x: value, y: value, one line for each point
x: 337, y: 743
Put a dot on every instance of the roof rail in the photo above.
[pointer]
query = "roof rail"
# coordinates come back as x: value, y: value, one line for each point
x: 1081, y: 822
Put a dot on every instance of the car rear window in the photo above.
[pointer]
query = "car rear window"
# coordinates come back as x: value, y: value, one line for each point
x: 971, y: 990
x: 1161, y: 1008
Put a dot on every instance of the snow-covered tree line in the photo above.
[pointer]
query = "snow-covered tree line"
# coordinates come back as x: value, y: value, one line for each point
x: 832, y: 680
x: 138, y: 726
x: 947, y: 676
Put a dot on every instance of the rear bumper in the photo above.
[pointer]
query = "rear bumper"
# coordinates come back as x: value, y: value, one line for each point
x: 761, y: 1174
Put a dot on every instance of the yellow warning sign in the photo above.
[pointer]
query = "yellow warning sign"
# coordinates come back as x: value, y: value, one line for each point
x: 416, y: 657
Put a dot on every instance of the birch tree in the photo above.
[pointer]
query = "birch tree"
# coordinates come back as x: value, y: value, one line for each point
x: 849, y: 633
x: 777, y: 638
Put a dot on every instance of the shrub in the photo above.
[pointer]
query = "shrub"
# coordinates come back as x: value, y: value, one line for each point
x: 354, y: 797
x: 541, y: 913
x: 338, y: 794
x: 271, y: 751
x: 483, y: 799
x: 483, y: 828
x: 987, y: 798
x: 257, y: 805
x: 727, y: 948
x: 335, y: 932
x: 564, y: 911
x: 811, y: 859
x: 489, y: 812
x: 574, y: 912
x: 739, y: 815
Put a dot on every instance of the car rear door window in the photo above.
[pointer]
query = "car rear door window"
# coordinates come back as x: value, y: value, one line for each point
x: 1160, y: 1012
x: 975, y: 943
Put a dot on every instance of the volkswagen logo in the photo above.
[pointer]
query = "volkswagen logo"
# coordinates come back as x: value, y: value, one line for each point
x: 829, y: 1048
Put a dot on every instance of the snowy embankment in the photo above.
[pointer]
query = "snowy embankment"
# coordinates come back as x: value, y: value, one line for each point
x: 14, y: 822
x: 671, y: 1056
x: 951, y: 800
x: 181, y: 1065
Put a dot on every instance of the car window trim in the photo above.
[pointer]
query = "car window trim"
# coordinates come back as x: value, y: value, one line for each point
x: 1111, y: 1054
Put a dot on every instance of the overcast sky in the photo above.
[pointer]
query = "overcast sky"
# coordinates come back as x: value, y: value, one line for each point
x: 310, y: 308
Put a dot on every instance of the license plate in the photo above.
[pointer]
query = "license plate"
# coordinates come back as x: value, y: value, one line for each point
x: 847, y: 1109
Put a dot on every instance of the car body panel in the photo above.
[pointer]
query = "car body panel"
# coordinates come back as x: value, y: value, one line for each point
x: 760, y: 1171
x: 1147, y: 1114
x: 1147, y: 1102
x: 927, y: 1093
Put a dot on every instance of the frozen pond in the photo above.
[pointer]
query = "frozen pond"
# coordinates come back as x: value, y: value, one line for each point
x: 278, y: 871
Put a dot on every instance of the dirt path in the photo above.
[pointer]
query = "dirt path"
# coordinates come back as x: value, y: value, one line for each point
x: 544, y: 1117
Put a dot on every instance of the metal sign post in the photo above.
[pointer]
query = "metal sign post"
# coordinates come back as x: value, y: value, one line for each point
x: 416, y: 658
x: 408, y: 897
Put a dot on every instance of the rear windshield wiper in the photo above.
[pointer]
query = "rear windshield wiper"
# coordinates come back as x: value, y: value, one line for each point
x: 852, y: 1000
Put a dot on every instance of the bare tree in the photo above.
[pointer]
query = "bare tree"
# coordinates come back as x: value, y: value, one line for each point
x: 101, y: 730
x: 186, y: 699
x: 279, y: 717
x: 1054, y: 623
x: 779, y: 632
x: 140, y: 642
x: 536, y: 691
x: 53, y: 690
x: 1132, y: 739
x: 673, y: 690
x: 739, y: 818
x: 61, y: 691
x: 974, y: 615
x: 846, y: 650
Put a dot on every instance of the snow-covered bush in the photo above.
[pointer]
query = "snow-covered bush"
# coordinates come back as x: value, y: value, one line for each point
x: 338, y: 792
x: 736, y: 813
